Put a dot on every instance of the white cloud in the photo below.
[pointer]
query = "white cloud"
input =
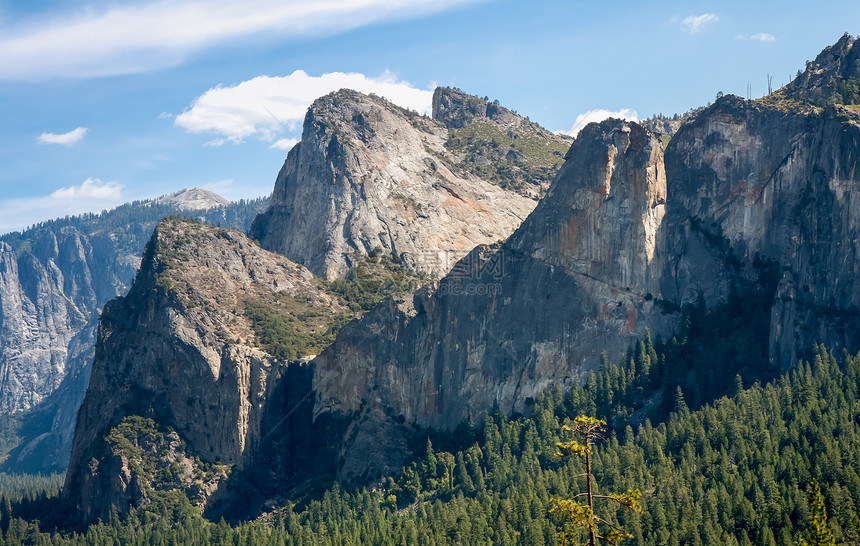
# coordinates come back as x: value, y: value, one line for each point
x: 266, y: 106
x: 598, y: 115
x: 64, y: 139
x: 285, y: 144
x: 697, y: 23
x: 92, y: 195
x: 91, y: 188
x: 763, y: 37
x: 212, y: 186
x: 145, y: 35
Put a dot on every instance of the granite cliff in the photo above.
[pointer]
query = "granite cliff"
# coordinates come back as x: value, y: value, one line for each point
x: 183, y: 350
x: 371, y: 178
x: 755, y: 182
x: 750, y: 196
x: 54, y: 280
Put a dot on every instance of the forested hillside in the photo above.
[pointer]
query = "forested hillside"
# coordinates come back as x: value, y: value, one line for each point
x: 735, y: 471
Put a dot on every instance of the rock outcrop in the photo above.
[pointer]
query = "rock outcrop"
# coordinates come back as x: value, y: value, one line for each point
x: 823, y: 81
x: 369, y: 177
x: 182, y: 349
x: 54, y: 280
x: 489, y: 141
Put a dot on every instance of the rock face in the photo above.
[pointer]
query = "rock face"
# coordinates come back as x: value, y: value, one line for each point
x: 47, y: 295
x: 54, y: 279
x: 180, y: 349
x: 580, y: 268
x: 370, y: 178
x: 622, y: 237
x: 753, y: 183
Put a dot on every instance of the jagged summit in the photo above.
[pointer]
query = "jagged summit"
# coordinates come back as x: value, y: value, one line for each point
x: 833, y: 77
x: 193, y: 199
x: 457, y: 109
x: 495, y: 143
x: 370, y: 178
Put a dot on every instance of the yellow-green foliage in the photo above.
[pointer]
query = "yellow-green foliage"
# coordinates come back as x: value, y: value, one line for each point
x: 144, y: 445
x: 534, y: 159
x: 778, y: 100
x: 578, y: 512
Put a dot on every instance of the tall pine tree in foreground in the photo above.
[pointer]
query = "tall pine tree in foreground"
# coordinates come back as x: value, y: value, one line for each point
x: 579, y: 518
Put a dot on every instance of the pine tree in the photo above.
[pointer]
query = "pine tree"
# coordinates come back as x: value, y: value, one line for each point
x: 579, y: 518
x: 819, y: 533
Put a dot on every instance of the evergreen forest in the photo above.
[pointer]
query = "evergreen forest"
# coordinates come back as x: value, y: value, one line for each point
x: 766, y: 458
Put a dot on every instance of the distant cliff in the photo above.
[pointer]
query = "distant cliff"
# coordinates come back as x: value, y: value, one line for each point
x: 371, y: 178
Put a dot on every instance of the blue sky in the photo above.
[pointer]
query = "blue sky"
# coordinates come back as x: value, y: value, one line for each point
x: 104, y: 102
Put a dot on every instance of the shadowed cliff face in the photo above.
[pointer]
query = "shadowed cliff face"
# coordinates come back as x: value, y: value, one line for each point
x: 371, y: 178
x: 510, y: 320
x: 758, y: 183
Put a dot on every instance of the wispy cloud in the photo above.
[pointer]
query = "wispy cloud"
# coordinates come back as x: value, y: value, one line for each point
x: 265, y: 107
x: 761, y: 37
x: 221, y: 184
x: 141, y: 36
x: 64, y: 139
x: 598, y: 115
x: 92, y: 195
x: 696, y: 23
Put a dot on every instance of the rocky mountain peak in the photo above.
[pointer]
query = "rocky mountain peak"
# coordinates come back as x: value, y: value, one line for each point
x: 196, y: 346
x: 602, y: 215
x: 370, y: 178
x: 579, y: 267
x: 833, y: 77
x: 456, y: 109
x: 193, y: 199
